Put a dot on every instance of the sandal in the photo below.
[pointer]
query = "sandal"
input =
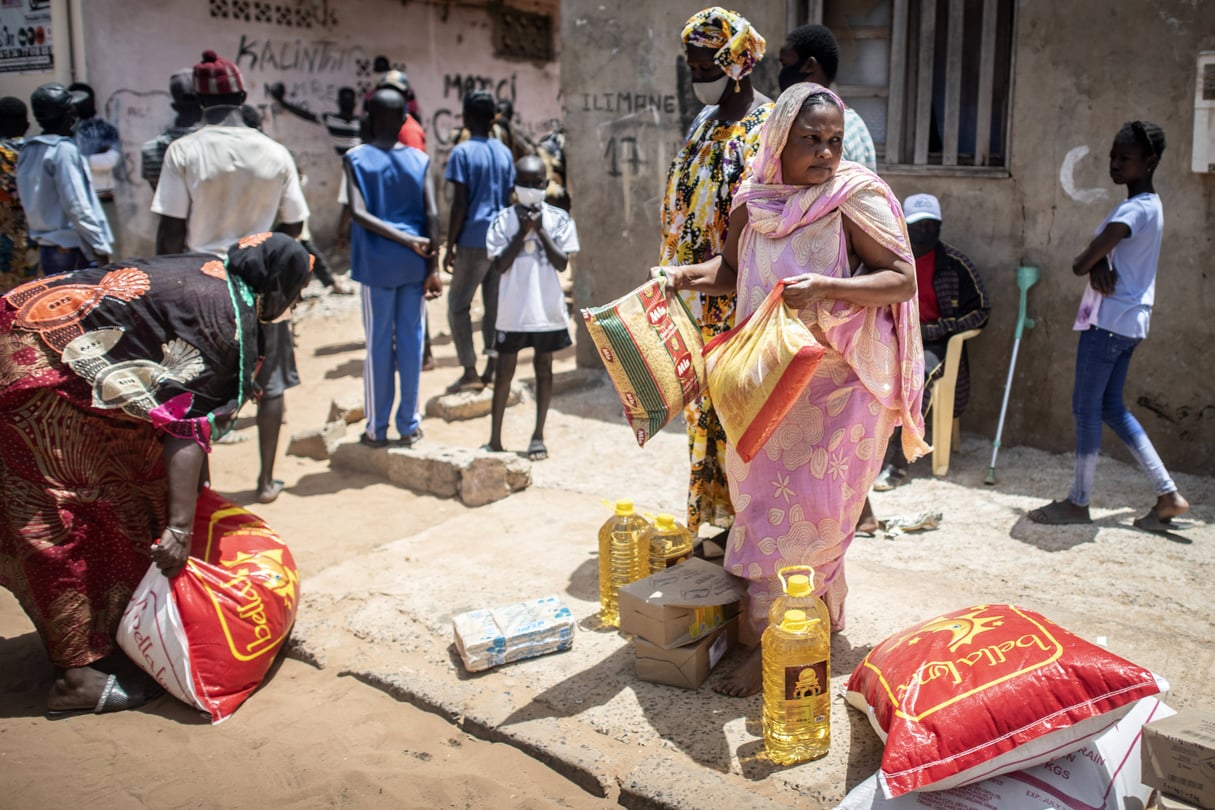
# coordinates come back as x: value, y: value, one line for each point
x: 1151, y: 523
x: 536, y: 451
x: 1059, y: 513
x: 118, y: 696
x: 411, y: 440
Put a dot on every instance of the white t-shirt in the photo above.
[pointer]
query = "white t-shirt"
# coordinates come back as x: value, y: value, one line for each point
x: 228, y: 182
x: 529, y: 296
x: 1128, y: 311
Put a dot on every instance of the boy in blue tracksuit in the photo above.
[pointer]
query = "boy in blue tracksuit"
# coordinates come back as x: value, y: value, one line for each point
x: 393, y: 256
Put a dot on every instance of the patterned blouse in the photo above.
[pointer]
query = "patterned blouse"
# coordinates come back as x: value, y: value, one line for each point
x: 701, y: 183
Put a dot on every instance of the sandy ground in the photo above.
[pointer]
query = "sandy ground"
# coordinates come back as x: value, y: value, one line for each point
x: 309, y: 738
x: 317, y: 738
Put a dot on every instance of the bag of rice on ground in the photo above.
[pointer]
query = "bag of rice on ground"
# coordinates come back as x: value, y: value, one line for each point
x: 651, y: 346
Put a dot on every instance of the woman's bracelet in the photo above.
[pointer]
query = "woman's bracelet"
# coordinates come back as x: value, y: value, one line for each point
x: 180, y: 534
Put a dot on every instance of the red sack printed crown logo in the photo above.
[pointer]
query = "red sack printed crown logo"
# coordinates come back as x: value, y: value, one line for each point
x: 209, y: 634
x: 986, y: 690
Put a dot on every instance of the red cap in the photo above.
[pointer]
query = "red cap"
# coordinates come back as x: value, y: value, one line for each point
x: 216, y: 76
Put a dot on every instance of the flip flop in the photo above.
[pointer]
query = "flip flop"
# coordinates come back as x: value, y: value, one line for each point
x: 1151, y: 523
x: 536, y: 451
x: 276, y: 489
x: 1054, y: 514
x: 116, y: 697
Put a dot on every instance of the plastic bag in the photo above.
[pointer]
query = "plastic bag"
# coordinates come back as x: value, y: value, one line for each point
x: 651, y: 346
x: 210, y: 634
x: 1103, y: 774
x: 757, y: 370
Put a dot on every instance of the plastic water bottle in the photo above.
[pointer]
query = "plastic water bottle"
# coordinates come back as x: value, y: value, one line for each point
x: 623, y: 558
x: 669, y: 543
x: 797, y: 689
x: 799, y: 593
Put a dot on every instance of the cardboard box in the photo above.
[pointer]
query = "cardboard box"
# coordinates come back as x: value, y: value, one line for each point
x: 1178, y: 756
x: 680, y: 604
x: 684, y: 666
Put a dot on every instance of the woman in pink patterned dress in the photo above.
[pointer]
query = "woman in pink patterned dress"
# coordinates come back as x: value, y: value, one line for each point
x: 833, y: 233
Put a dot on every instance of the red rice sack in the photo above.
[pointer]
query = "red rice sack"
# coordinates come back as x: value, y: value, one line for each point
x: 210, y: 634
x: 757, y: 370
x: 1102, y: 774
x: 987, y: 690
x: 651, y: 347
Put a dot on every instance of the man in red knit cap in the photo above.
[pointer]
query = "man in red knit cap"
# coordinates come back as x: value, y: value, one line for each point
x: 219, y: 183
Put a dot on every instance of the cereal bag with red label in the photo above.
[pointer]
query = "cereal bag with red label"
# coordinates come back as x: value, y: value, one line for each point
x: 651, y: 347
x: 210, y: 634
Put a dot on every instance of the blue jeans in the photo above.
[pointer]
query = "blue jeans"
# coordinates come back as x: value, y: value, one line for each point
x: 54, y: 260
x: 1102, y: 361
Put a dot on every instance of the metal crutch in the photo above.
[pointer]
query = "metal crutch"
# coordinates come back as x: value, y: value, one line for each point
x: 1027, y: 276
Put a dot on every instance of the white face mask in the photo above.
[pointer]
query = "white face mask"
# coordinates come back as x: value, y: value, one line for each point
x: 710, y: 92
x: 529, y: 197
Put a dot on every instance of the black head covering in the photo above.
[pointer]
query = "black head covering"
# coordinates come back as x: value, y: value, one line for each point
x: 275, y: 266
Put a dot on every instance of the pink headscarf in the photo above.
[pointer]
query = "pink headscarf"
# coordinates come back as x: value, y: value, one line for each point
x: 777, y: 211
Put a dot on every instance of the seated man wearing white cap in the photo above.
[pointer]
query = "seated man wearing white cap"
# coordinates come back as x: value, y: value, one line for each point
x: 952, y: 300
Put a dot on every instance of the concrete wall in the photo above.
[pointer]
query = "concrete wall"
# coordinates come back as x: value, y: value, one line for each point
x: 1073, y: 88
x: 133, y: 47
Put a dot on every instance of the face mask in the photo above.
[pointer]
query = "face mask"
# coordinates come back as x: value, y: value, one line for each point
x: 710, y: 92
x: 529, y: 197
x: 790, y: 76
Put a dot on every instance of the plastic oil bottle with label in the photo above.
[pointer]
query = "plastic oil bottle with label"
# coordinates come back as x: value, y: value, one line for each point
x: 623, y: 558
x: 798, y: 593
x: 669, y: 543
x: 797, y: 688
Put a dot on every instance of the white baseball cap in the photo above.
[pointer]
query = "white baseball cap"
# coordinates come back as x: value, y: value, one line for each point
x: 921, y: 206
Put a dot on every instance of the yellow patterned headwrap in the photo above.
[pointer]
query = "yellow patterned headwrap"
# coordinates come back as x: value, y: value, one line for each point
x: 739, y: 46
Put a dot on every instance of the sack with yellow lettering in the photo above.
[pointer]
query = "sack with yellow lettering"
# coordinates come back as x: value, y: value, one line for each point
x: 757, y: 371
x: 210, y: 634
x: 985, y: 691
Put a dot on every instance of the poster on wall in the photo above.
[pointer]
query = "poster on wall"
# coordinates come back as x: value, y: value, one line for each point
x: 25, y: 36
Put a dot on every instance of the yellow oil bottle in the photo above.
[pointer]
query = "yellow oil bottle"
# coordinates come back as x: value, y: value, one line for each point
x: 797, y: 688
x: 623, y: 557
x: 798, y: 593
x: 669, y: 543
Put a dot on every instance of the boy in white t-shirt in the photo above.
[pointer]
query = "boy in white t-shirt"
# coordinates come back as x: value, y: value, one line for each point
x: 530, y: 243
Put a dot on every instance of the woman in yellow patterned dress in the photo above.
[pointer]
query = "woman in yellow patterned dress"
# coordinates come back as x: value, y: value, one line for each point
x: 721, y: 48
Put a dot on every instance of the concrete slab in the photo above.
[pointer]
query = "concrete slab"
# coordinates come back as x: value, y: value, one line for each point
x: 387, y: 614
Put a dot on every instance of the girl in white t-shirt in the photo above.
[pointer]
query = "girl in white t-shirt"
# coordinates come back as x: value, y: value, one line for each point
x: 530, y: 243
x: 1113, y: 319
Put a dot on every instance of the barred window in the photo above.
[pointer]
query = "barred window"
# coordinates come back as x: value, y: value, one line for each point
x: 931, y: 78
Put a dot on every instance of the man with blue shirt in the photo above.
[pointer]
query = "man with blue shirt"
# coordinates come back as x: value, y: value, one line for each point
x: 61, y: 205
x: 393, y: 249
x: 482, y: 173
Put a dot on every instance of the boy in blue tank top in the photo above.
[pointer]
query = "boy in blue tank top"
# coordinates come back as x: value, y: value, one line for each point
x: 393, y: 253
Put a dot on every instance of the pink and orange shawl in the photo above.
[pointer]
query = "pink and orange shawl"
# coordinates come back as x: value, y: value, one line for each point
x: 798, y: 500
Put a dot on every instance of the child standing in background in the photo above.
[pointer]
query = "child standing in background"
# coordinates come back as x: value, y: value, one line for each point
x: 1113, y: 319
x: 530, y: 243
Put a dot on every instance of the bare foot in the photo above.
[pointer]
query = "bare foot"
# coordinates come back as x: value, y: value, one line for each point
x: 76, y: 688
x: 747, y: 678
x: 867, y: 523
x: 1170, y: 505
